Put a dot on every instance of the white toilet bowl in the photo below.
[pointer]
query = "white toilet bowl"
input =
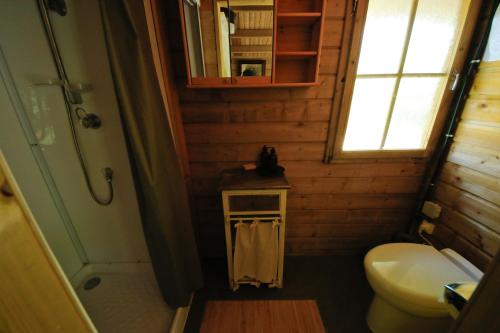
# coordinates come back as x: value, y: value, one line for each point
x: 408, y: 280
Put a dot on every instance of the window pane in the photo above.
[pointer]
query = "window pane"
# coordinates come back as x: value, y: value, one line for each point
x: 369, y: 108
x: 384, y: 36
x: 434, y: 35
x: 414, y: 112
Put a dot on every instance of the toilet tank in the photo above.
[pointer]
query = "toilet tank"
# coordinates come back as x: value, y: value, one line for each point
x: 463, y: 264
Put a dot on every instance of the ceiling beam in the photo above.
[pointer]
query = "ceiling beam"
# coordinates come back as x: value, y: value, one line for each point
x: 252, y: 8
x: 268, y: 56
x: 251, y: 3
x: 251, y: 48
x: 243, y: 33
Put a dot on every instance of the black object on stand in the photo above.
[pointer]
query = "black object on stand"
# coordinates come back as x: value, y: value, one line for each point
x: 268, y: 163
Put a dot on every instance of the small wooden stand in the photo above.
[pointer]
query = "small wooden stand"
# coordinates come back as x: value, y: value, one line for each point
x: 246, y: 196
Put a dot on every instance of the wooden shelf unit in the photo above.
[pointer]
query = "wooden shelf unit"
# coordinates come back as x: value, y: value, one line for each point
x: 296, y: 50
x: 298, y: 30
x: 300, y: 6
x: 295, y: 70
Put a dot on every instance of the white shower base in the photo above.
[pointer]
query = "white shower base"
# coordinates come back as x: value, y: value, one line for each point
x: 127, y: 299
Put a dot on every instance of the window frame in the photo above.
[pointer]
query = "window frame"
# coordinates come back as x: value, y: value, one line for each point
x: 350, y: 52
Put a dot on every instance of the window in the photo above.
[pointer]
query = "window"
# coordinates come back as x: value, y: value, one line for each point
x: 403, y: 62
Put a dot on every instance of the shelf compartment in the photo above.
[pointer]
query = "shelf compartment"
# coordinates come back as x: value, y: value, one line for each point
x: 286, y: 6
x: 297, y: 37
x: 296, y: 54
x: 299, y: 18
x: 295, y: 70
x: 300, y: 14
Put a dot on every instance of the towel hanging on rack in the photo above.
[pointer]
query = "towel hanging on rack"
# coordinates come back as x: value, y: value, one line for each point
x: 256, y: 252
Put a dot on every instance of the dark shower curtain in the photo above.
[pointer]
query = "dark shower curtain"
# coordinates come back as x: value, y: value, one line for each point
x: 160, y: 186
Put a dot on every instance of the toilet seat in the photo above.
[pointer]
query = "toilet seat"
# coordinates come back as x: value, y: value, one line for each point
x: 412, y: 276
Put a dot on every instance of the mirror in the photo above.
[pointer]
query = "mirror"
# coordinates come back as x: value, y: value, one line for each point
x: 229, y: 38
x: 207, y: 38
x: 252, y: 38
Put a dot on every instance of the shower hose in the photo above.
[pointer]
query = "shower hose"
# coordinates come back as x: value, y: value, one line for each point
x: 69, y: 100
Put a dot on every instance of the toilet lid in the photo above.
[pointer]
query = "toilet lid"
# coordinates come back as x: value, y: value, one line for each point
x: 412, y: 275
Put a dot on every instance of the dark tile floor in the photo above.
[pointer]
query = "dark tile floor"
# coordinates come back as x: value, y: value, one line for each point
x: 337, y: 283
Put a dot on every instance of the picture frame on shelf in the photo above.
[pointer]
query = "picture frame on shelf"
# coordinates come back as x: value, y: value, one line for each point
x: 247, y: 67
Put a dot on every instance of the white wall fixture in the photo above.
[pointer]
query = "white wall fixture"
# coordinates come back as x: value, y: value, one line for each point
x: 431, y: 209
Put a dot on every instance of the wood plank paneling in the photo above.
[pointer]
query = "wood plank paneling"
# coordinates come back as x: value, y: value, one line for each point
x: 483, y: 109
x: 244, y: 152
x: 329, y: 60
x: 356, y: 169
x: 477, y: 158
x: 470, y: 205
x: 354, y: 216
x: 382, y: 185
x: 449, y: 238
x: 342, y: 207
x: 472, y: 181
x: 335, y: 9
x: 339, y: 231
x: 348, y: 201
x: 479, y: 134
x: 327, y: 219
x: 482, y: 237
x: 324, y: 90
x: 487, y: 82
x: 333, y: 32
x: 257, y: 132
x: 314, y: 202
x: 469, y: 183
x: 316, y: 169
x: 274, y: 111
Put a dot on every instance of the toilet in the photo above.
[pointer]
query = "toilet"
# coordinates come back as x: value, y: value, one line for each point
x: 408, y: 282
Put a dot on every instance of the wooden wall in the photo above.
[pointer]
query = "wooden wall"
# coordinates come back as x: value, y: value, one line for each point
x: 469, y: 184
x: 342, y: 207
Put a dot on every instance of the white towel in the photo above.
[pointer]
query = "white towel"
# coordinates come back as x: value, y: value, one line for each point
x: 256, y: 252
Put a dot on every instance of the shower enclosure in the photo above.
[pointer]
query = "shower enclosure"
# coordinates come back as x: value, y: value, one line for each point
x: 61, y: 134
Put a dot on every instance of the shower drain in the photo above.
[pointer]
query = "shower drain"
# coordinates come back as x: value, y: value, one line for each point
x: 92, y: 283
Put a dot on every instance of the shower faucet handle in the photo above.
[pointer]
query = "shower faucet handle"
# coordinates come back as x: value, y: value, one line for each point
x: 88, y: 120
x: 91, y: 120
